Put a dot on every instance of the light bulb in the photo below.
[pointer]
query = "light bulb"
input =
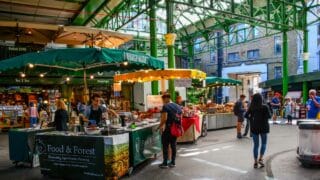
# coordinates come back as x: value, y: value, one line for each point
x: 125, y: 63
x: 31, y: 65
x: 23, y: 75
x: 41, y: 75
x: 91, y: 77
x: 67, y: 79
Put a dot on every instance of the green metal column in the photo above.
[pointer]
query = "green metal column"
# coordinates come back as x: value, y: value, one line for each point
x: 305, y: 59
x: 190, y: 54
x: 285, y: 63
x: 171, y: 58
x: 153, y: 41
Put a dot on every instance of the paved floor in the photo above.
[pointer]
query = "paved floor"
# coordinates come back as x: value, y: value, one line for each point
x: 218, y: 156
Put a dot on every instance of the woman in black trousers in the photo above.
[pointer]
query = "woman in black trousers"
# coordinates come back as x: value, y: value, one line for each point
x: 259, y: 116
x: 61, y: 116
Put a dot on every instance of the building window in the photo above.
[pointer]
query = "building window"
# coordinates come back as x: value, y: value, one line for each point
x: 277, y: 45
x: 253, y: 54
x: 197, y: 45
x: 233, y: 56
x: 277, y: 72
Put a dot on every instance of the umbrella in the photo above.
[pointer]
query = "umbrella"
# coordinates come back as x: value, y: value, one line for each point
x: 77, y: 61
x: 38, y: 33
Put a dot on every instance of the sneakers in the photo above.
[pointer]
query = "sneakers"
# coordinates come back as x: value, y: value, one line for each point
x: 163, y: 166
x: 172, y: 165
x: 166, y: 166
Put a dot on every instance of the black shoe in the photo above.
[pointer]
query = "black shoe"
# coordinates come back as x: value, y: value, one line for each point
x: 244, y: 135
x: 163, y: 166
x: 239, y: 136
x: 172, y: 165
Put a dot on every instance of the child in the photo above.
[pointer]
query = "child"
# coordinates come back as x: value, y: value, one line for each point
x: 288, y: 110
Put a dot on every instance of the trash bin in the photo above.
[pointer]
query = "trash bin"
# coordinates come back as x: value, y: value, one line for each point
x: 309, y: 143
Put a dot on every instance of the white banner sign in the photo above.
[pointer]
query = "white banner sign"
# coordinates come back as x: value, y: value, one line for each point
x: 154, y: 101
x: 183, y: 83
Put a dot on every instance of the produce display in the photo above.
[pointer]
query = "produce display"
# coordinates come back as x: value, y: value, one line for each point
x: 219, y: 108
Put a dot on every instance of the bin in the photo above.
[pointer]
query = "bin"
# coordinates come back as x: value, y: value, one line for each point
x: 309, y: 143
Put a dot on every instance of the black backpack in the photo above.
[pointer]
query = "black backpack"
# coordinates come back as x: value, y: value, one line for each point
x: 237, y: 107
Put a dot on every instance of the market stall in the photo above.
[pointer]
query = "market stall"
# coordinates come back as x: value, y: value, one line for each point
x: 80, y: 156
x: 11, y: 117
x: 220, y: 115
x: 22, y: 145
x: 192, y: 123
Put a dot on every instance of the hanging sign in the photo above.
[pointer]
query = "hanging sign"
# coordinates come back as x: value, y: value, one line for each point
x: 183, y: 83
x: 117, y: 87
x: 135, y: 58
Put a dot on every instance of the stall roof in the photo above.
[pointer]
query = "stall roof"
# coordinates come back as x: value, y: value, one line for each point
x: 73, y: 60
x: 309, y: 77
x: 218, y: 81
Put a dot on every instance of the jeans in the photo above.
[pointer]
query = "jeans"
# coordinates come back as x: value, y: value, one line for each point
x: 167, y: 139
x: 33, y: 120
x: 263, y: 147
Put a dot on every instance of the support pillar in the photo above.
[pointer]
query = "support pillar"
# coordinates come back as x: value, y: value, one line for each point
x: 170, y: 38
x: 285, y: 64
x: 191, y: 54
x: 220, y: 63
x: 153, y: 42
x: 305, y: 59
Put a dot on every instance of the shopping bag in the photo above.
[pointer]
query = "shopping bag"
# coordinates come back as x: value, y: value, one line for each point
x: 176, y: 130
x: 35, y: 160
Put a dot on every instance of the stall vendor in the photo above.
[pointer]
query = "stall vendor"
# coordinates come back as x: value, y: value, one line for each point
x: 94, y: 112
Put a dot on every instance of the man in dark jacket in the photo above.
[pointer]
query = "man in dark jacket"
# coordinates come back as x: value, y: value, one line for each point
x: 239, y: 110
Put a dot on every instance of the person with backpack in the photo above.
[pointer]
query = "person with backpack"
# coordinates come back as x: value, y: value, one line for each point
x: 171, y: 114
x: 259, y: 115
x: 239, y: 110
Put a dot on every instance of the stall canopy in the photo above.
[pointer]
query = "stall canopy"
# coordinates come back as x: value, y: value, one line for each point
x: 74, y: 60
x: 38, y: 33
x: 218, y: 81
x: 153, y: 75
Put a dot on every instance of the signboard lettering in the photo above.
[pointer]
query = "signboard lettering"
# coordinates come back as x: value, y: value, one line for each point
x: 135, y: 58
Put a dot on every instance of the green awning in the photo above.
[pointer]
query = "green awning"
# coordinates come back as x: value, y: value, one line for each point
x: 218, y: 81
x: 295, y: 79
x: 78, y: 59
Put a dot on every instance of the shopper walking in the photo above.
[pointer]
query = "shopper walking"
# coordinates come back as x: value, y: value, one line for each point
x: 61, y: 116
x: 239, y: 110
x: 275, y: 106
x: 288, y: 106
x: 168, y: 116
x: 313, y: 104
x: 259, y: 115
x: 33, y: 114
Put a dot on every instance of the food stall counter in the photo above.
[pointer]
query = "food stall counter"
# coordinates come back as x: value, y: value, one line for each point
x: 192, y: 127
x: 79, y: 156
x: 22, y: 144
x: 220, y: 120
x: 145, y: 143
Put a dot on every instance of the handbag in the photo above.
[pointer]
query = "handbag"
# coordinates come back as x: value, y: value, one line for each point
x: 176, y: 130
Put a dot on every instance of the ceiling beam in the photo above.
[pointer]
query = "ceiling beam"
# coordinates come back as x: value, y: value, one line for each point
x: 38, y: 7
x: 90, y: 9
